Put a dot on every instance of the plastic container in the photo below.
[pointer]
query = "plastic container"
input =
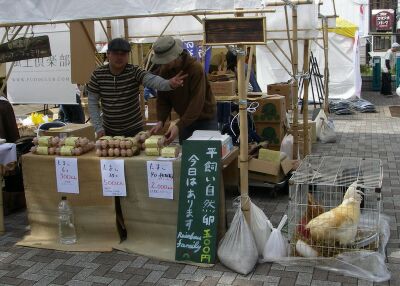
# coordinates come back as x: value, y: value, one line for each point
x: 66, y: 225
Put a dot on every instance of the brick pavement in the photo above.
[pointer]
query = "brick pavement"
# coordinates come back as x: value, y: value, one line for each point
x: 376, y: 136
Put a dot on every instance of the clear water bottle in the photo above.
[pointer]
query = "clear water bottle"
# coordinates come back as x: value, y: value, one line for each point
x: 66, y: 223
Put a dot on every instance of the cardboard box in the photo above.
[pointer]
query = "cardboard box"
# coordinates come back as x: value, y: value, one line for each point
x: 226, y: 140
x: 272, y: 172
x: 283, y: 89
x: 271, y: 132
x: 79, y: 130
x: 223, y: 88
x: 270, y: 109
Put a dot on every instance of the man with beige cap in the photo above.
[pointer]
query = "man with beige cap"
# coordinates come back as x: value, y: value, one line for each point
x: 388, y: 63
x: 193, y: 100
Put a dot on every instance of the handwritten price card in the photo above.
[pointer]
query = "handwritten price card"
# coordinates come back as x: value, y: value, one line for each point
x: 67, y: 175
x: 160, y: 179
x: 113, y: 178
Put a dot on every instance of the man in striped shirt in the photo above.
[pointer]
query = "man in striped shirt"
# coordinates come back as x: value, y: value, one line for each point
x: 116, y: 86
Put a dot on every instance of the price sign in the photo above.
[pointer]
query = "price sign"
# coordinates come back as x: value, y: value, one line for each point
x: 113, y: 178
x: 67, y: 175
x: 160, y: 179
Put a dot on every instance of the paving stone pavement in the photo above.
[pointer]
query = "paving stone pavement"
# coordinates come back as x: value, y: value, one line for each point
x: 361, y: 135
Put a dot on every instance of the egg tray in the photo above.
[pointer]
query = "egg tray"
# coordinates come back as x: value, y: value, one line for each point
x: 365, y: 240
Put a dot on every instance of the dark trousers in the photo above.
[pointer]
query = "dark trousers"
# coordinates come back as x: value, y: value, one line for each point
x: 210, y: 124
x: 386, y: 88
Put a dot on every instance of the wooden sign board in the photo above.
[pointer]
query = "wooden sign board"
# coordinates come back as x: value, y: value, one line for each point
x: 225, y: 31
x: 196, y: 239
x: 25, y: 48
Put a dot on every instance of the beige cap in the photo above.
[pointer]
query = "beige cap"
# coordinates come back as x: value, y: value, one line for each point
x: 166, y: 49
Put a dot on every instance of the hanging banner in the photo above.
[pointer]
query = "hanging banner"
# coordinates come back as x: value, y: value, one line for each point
x: 25, y: 48
x: 44, y: 80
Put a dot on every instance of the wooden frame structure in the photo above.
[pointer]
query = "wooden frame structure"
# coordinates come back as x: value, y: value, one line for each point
x: 242, y: 78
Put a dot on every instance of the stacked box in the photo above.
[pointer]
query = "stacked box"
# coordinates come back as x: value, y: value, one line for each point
x: 283, y: 89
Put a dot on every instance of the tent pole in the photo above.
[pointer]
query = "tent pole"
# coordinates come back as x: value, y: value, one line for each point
x: 295, y: 86
x: 288, y: 39
x: 98, y: 62
x: 306, y: 64
x: 249, y: 67
x: 326, y: 69
x: 104, y: 30
x: 278, y: 60
x: 3, y: 86
x: 109, y: 29
x: 318, y: 44
x: 282, y: 51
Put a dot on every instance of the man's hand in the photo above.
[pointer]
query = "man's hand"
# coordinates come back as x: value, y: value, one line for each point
x: 156, y: 128
x: 171, y: 134
x: 100, y: 134
x: 177, y: 80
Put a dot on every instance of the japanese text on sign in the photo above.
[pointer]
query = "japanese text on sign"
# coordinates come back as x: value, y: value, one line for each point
x: 67, y: 175
x: 198, y: 201
x: 113, y: 178
x: 160, y: 179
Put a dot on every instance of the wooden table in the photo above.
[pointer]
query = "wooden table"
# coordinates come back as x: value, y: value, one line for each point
x: 151, y: 223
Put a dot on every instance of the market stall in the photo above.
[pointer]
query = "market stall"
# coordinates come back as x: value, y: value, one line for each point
x: 150, y: 223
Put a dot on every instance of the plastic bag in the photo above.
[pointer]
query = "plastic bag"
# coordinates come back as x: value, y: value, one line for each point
x: 328, y: 134
x: 238, y: 250
x: 318, y: 121
x: 287, y: 146
x: 276, y: 246
x: 260, y: 226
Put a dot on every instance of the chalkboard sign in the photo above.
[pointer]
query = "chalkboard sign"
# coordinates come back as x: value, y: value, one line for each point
x: 25, y: 48
x: 198, y: 201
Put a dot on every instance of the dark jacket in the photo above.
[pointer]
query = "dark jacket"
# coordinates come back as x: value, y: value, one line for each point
x: 8, y: 124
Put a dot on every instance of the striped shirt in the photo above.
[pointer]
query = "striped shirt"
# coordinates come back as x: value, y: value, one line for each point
x: 119, y: 98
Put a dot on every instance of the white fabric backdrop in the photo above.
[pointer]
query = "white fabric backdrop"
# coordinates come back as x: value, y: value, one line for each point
x: 343, y: 74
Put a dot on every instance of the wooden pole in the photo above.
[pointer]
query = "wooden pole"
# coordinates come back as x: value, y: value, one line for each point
x: 288, y: 39
x: 326, y: 69
x: 295, y: 86
x: 249, y: 68
x: 278, y: 60
x: 282, y: 51
x: 105, y: 30
x: 98, y: 62
x: 109, y: 29
x: 244, y: 153
x: 306, y: 61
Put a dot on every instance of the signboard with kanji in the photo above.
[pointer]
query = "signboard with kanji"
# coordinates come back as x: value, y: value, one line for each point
x: 25, y: 48
x: 196, y: 238
x: 382, y: 20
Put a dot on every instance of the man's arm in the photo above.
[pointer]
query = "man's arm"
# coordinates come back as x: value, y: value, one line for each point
x: 94, y: 111
x: 156, y: 82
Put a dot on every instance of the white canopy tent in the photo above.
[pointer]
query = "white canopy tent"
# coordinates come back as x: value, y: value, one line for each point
x: 344, y: 68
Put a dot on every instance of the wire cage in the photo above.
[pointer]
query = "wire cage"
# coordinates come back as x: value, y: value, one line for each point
x: 325, y: 219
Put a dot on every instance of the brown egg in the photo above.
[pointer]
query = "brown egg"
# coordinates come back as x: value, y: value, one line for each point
x: 104, y: 144
x: 116, y: 152
x: 55, y: 141
x: 122, y: 144
x: 129, y: 153
x: 111, y: 152
x: 77, y: 151
x: 33, y: 149
x: 128, y: 144
x: 58, y: 151
x: 62, y: 142
x: 35, y: 141
x: 98, y: 153
x: 51, y: 151
x: 98, y: 144
x: 123, y: 153
x: 117, y: 143
x: 104, y: 153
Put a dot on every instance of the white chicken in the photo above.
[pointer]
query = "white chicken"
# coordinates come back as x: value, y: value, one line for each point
x: 339, y: 224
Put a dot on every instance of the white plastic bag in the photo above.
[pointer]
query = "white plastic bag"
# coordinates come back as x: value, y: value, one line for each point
x: 276, y: 246
x: 238, y: 250
x: 328, y: 134
x: 318, y: 121
x: 287, y: 146
x: 260, y: 226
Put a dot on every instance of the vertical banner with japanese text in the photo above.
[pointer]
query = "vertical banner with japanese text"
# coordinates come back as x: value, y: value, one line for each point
x: 196, y: 239
x: 44, y: 80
